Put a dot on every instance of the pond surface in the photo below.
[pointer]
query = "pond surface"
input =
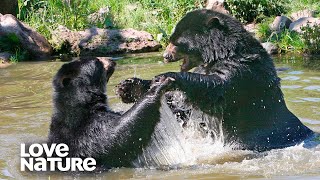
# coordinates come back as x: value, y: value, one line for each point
x: 25, y: 111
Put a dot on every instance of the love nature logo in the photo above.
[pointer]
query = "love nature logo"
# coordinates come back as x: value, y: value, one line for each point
x: 41, y: 157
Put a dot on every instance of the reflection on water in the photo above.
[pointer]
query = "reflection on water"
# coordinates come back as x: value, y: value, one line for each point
x: 25, y: 110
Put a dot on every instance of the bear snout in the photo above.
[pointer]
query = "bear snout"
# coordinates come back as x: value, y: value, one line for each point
x: 107, y: 63
x: 171, y: 53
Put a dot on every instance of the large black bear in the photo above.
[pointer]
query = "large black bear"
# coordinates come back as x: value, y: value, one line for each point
x: 234, y: 80
x: 83, y: 120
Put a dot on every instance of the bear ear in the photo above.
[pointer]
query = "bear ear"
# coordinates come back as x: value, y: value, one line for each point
x: 214, y: 22
x: 64, y: 81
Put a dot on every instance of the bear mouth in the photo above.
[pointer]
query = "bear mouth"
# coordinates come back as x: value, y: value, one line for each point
x: 185, y: 66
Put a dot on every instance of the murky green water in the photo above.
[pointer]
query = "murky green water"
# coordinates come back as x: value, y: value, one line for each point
x: 25, y: 111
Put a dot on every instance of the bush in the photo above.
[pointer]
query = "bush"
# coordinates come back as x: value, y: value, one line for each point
x: 263, y: 30
x: 311, y: 37
x: 11, y: 43
x: 288, y: 41
x: 255, y: 10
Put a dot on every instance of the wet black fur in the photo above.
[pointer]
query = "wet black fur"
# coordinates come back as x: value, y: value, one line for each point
x: 82, y: 119
x: 235, y: 81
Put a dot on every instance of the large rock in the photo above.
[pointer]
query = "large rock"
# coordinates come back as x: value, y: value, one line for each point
x: 9, y: 7
x: 217, y: 5
x: 303, y: 22
x: 5, y: 56
x: 5, y: 59
x: 36, y: 45
x: 102, y: 42
x: 251, y: 28
x: 280, y: 23
x: 270, y: 47
x: 303, y: 13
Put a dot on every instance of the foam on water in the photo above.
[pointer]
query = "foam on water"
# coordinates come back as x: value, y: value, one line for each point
x: 175, y: 147
x: 289, y: 161
x: 172, y: 145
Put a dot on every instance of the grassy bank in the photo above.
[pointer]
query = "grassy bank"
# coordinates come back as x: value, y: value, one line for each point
x: 155, y: 16
x: 288, y: 41
x: 160, y: 16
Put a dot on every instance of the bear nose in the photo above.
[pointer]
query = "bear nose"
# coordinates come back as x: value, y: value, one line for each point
x: 107, y: 63
x: 167, y: 55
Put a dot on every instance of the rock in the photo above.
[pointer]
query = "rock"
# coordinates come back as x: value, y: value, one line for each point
x: 9, y: 7
x: 270, y: 47
x: 5, y: 56
x: 62, y: 36
x: 217, y: 5
x: 303, y: 22
x: 36, y: 45
x: 5, y: 59
x: 102, y: 42
x: 303, y: 13
x: 280, y: 23
x: 251, y: 28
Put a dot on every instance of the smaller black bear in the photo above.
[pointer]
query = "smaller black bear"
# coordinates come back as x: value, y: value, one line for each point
x: 234, y: 81
x: 82, y: 119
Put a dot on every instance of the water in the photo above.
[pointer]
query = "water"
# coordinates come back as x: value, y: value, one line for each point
x: 25, y: 111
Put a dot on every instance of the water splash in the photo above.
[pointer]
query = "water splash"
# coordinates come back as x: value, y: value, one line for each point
x: 174, y: 146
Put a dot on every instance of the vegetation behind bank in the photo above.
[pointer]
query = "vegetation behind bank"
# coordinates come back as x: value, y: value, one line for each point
x: 157, y: 17
x: 160, y: 16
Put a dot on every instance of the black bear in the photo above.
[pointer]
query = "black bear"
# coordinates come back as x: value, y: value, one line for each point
x: 82, y: 119
x: 234, y: 80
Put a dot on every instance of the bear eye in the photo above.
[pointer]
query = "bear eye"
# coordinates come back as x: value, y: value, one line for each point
x: 65, y: 82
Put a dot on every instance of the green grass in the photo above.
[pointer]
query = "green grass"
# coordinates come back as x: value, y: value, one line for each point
x: 297, y: 5
x: 263, y: 30
x: 14, y: 59
x: 311, y: 36
x: 289, y: 41
x: 11, y: 43
x: 155, y: 16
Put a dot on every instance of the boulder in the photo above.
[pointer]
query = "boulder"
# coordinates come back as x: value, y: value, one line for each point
x: 270, y: 47
x: 31, y: 41
x: 9, y: 7
x: 280, y: 23
x: 251, y: 28
x: 217, y: 5
x: 303, y: 22
x: 5, y: 56
x: 303, y: 13
x: 5, y: 59
x: 102, y: 42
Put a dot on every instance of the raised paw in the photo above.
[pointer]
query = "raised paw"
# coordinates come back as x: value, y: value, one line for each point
x: 162, y: 83
x: 130, y: 90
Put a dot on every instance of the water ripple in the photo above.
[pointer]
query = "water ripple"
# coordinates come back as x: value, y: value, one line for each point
x: 310, y: 99
x: 295, y: 72
x: 291, y: 87
x: 314, y: 87
x: 291, y: 78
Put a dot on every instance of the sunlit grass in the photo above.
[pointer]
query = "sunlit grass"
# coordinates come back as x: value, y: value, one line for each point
x: 157, y: 17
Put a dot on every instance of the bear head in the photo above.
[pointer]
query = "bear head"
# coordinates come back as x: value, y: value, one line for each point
x: 203, y: 37
x: 81, y: 80
x: 84, y: 72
